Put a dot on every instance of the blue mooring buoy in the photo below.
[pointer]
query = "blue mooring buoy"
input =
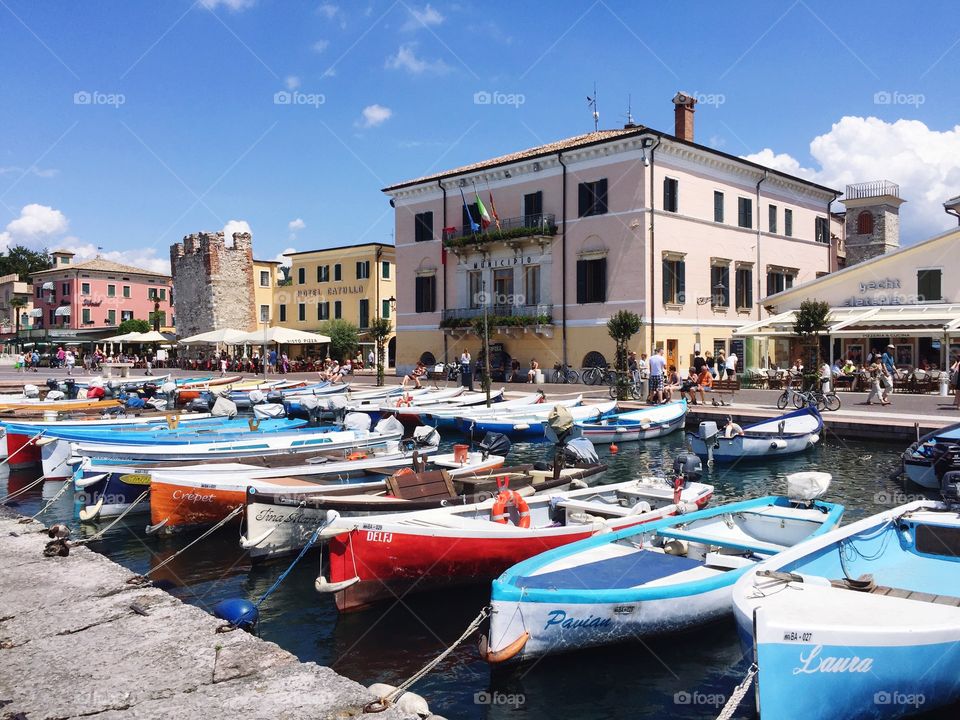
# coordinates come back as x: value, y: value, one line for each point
x: 238, y: 612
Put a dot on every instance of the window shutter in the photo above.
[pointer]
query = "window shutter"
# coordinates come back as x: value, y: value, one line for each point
x: 601, y: 206
x: 769, y: 283
x: 584, y: 199
x: 748, y: 280
x: 717, y: 206
x: 681, y: 282
x: 666, y: 272
x: 418, y: 292
x: 726, y: 286
x: 601, y: 290
x: 581, y: 281
x: 428, y: 225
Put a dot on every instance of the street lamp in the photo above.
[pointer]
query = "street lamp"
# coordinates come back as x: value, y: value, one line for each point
x: 380, y: 330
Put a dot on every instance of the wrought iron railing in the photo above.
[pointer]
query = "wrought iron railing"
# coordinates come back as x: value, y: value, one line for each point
x: 540, y: 224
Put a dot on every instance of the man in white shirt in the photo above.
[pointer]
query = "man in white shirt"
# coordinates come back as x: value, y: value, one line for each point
x: 658, y: 365
x: 732, y: 365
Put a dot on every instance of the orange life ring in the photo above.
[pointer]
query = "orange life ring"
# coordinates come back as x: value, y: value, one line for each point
x: 678, y: 484
x: 357, y: 456
x: 498, y: 513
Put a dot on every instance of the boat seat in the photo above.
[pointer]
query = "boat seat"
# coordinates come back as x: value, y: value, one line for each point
x: 726, y: 562
x: 865, y: 584
x: 755, y: 546
x: 429, y: 485
x: 625, y: 571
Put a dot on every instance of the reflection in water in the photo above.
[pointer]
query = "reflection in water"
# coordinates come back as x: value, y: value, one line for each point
x: 676, y: 676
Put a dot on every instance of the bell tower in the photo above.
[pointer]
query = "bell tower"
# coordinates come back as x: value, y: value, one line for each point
x: 872, y: 219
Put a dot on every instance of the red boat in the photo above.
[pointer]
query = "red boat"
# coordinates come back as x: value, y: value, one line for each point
x: 384, y: 557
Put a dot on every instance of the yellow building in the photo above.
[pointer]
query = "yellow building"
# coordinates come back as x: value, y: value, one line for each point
x: 354, y: 283
x: 264, y: 285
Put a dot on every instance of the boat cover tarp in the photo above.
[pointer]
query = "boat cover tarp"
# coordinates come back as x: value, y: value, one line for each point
x: 625, y: 571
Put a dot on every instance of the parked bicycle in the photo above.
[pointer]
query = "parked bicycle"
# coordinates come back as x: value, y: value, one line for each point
x: 801, y: 398
x: 565, y: 374
x: 633, y: 385
x: 598, y: 375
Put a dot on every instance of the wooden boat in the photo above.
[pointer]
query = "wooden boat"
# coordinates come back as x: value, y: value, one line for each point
x: 926, y: 460
x: 789, y: 434
x: 645, y: 424
x: 533, y: 426
x: 410, y: 413
x: 382, y: 557
x: 862, y: 622
x: 279, y: 523
x: 180, y: 498
x: 445, y: 418
x: 191, y: 390
x: 665, y: 576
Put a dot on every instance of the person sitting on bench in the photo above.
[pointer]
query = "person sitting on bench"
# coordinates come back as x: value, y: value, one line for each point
x: 418, y: 372
x: 704, y: 382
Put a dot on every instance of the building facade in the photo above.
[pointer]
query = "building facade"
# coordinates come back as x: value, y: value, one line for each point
x: 213, y: 283
x: 908, y: 298
x: 91, y: 297
x: 353, y: 283
x: 16, y: 305
x: 265, y: 281
x: 689, y: 238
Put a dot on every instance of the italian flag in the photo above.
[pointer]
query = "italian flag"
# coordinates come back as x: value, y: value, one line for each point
x: 484, y: 215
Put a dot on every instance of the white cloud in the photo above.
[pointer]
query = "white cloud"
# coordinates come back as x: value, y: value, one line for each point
x: 320, y: 45
x: 36, y: 226
x: 235, y: 226
x: 924, y: 162
x: 292, y: 82
x: 235, y: 5
x: 422, y: 17
x: 32, y: 170
x: 333, y: 13
x: 406, y: 59
x: 782, y: 162
x: 145, y: 258
x: 296, y: 224
x: 285, y: 260
x: 374, y: 115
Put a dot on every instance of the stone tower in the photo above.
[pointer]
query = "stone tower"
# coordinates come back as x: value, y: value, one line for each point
x: 213, y: 283
x: 872, y: 219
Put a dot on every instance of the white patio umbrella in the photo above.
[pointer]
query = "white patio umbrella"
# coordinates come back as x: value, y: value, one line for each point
x: 284, y: 336
x: 227, y: 336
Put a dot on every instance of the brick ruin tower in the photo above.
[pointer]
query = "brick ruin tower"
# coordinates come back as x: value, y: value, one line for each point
x: 213, y: 283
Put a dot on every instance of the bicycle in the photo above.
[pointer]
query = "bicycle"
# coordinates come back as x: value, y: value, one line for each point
x: 597, y: 375
x: 816, y: 398
x: 633, y: 385
x: 565, y: 374
x: 790, y: 395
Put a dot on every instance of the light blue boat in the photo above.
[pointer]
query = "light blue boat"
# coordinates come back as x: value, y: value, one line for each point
x: 644, y: 424
x: 658, y: 577
x: 863, y: 622
x: 789, y: 434
x: 530, y: 427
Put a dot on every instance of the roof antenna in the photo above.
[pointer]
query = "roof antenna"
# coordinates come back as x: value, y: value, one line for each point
x: 630, y: 122
x: 592, y: 103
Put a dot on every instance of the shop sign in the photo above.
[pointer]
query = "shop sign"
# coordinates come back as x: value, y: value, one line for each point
x: 503, y: 262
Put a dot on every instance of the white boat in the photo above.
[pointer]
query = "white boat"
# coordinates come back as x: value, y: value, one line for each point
x: 788, y: 434
x: 863, y: 622
x: 936, y: 453
x: 645, y: 424
x: 666, y: 576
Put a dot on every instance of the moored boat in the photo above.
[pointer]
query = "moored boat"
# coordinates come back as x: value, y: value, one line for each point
x: 666, y: 576
x: 532, y: 426
x: 645, y: 424
x: 929, y: 458
x: 789, y: 434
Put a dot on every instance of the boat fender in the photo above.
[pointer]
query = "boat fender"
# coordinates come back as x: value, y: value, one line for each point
x: 88, y: 481
x: 507, y: 653
x: 778, y: 444
x: 678, y: 484
x: 409, y: 702
x: 247, y: 544
x: 521, y: 426
x: 578, y: 484
x: 640, y: 508
x: 731, y: 429
x: 814, y: 439
x: 322, y: 585
x: 153, y: 529
x: 41, y: 442
x: 237, y: 612
x: 91, y: 513
x: 676, y: 547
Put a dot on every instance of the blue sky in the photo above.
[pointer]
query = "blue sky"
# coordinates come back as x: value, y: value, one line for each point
x: 127, y: 124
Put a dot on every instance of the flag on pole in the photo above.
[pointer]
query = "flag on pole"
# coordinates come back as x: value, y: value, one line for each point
x: 473, y: 225
x: 484, y: 215
x: 493, y: 209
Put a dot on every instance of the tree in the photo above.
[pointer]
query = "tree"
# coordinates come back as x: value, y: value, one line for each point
x: 811, y: 321
x: 16, y: 305
x: 24, y: 261
x: 481, y: 326
x: 344, y: 338
x: 380, y: 330
x: 131, y: 325
x: 621, y: 327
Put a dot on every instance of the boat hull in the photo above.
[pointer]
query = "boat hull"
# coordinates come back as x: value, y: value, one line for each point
x: 746, y: 447
x: 605, y: 435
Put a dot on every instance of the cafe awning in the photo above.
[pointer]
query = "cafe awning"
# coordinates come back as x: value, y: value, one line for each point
x: 63, y: 310
x: 899, y: 320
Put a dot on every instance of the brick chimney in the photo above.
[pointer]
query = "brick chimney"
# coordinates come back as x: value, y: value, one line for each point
x: 683, y: 108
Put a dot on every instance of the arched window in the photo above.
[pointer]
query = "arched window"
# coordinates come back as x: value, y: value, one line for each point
x: 428, y: 359
x: 594, y: 359
x: 865, y: 223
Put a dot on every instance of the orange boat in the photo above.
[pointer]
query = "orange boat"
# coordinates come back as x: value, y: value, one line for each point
x: 191, y: 390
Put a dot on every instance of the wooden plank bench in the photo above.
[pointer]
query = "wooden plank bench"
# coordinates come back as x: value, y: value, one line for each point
x: 723, y: 391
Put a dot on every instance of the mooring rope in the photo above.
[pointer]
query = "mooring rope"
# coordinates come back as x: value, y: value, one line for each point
x: 100, y: 533
x: 18, y: 493
x: 31, y: 441
x: 283, y: 575
x: 739, y: 692
x: 66, y: 484
x: 230, y: 516
x: 383, y: 703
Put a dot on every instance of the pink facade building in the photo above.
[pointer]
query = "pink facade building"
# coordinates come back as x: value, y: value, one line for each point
x: 690, y: 238
x: 91, y: 298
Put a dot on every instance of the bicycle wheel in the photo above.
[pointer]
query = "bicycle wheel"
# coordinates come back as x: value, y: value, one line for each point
x: 832, y: 401
x: 593, y: 376
x: 800, y: 399
x: 782, y: 400
x: 613, y: 392
x: 573, y: 377
x: 635, y: 391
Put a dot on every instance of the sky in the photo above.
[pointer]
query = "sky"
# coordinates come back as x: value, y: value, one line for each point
x: 127, y: 124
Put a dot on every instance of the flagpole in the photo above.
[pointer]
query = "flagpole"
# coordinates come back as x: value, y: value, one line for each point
x: 486, y: 343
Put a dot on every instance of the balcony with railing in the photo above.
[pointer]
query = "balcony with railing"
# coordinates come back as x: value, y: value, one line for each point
x: 499, y: 316
x: 876, y: 188
x: 534, y: 227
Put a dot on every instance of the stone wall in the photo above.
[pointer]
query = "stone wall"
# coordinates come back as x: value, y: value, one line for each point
x: 213, y: 283
x: 884, y: 238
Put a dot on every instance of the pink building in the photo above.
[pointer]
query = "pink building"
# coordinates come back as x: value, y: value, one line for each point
x: 90, y: 299
x: 690, y: 238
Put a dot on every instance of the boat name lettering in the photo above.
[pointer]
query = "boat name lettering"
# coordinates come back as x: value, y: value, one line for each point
x: 380, y: 537
x: 191, y: 496
x: 559, y: 617
x: 794, y: 636
x: 295, y: 518
x: 812, y: 663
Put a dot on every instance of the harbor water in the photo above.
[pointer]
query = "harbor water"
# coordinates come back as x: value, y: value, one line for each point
x: 687, y: 676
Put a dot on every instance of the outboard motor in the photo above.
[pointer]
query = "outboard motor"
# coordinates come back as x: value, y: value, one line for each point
x: 707, y: 431
x: 31, y: 391
x: 494, y: 444
x: 256, y: 397
x: 203, y: 404
x: 149, y: 390
x: 425, y: 436
x: 274, y: 397
x: 357, y: 421
x: 950, y: 487
x: 580, y: 453
x: 70, y: 386
x: 53, y: 384
x: 688, y: 466
x: 267, y: 411
x: 946, y: 457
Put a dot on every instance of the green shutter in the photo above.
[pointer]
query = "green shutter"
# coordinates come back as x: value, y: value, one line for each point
x: 581, y: 282
x: 667, y: 271
x: 601, y: 295
x: 681, y: 282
